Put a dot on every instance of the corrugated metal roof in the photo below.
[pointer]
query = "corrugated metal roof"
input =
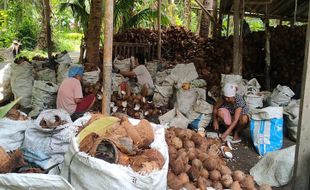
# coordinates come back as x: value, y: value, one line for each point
x: 276, y: 9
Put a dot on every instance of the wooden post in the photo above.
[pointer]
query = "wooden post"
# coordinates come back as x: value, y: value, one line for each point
x: 236, y: 60
x: 267, y: 54
x: 107, y: 56
x: 159, y: 30
x: 228, y: 23
x: 302, y: 156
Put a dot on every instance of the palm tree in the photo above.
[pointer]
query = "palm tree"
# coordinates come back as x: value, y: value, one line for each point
x: 205, y: 21
x: 93, y: 32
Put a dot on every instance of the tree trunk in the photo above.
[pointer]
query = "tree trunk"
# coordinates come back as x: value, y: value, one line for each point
x: 93, y: 33
x: 205, y: 20
x: 45, y: 39
x: 187, y: 13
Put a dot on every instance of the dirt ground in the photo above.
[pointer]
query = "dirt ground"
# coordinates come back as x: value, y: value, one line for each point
x: 245, y: 156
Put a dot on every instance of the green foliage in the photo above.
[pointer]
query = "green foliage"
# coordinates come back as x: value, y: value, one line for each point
x: 67, y: 41
x: 31, y: 53
x: 20, y: 23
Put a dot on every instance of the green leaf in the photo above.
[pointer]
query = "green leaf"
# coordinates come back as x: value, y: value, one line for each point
x: 5, y: 109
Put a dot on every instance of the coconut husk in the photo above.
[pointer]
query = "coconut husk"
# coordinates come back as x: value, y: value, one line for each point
x: 11, y: 163
x: 132, y: 133
x: 146, y: 132
x: 88, y: 142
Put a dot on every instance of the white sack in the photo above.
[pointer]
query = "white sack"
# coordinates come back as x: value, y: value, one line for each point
x: 292, y: 119
x: 12, y: 133
x: 186, y: 99
x: 276, y: 168
x: 21, y: 82
x: 152, y: 68
x: 281, y: 96
x: 86, y: 172
x: 44, y: 96
x: 5, y: 87
x: 65, y: 62
x: 91, y: 78
x: 47, y: 74
x: 14, y: 181
x: 122, y: 65
x: 183, y: 73
x: 53, y: 143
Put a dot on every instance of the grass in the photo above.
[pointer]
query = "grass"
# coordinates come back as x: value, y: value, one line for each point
x: 30, y: 54
x: 68, y: 41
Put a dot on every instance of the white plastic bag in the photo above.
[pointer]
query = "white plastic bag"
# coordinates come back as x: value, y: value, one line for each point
x: 281, y: 96
x: 122, y: 65
x: 21, y: 82
x: 276, y: 168
x: 86, y: 172
x: 5, y: 87
x: 65, y: 62
x: 162, y: 95
x: 12, y: 133
x: 183, y: 73
x: 91, y: 78
x: 292, y: 113
x: 43, y: 97
x: 186, y: 99
x: 50, y: 144
x: 14, y: 181
x: 152, y: 68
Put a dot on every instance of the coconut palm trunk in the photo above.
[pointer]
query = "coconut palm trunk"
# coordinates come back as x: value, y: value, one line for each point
x: 205, y: 20
x: 93, y: 33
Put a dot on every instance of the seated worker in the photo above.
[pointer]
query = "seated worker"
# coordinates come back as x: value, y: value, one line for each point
x: 70, y: 95
x: 231, y: 110
x: 142, y: 74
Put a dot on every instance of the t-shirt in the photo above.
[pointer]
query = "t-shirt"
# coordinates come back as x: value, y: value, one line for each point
x: 143, y: 76
x: 69, y: 89
x: 240, y: 103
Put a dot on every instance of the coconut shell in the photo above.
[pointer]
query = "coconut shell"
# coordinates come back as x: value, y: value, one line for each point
x: 204, y: 173
x: 88, y: 142
x: 217, y: 185
x: 202, y: 183
x: 247, y: 183
x: 132, y: 133
x: 191, y: 153
x: 177, y: 142
x: 215, y: 175
x: 211, y: 163
x: 265, y: 187
x: 190, y: 186
x: 238, y: 175
x: 184, y: 178
x: 226, y: 180
x: 189, y: 144
x: 193, y: 173
x: 174, y: 182
x: 235, y: 186
x: 123, y: 159
x: 146, y: 132
x: 225, y: 170
x: 137, y: 162
x: 156, y: 156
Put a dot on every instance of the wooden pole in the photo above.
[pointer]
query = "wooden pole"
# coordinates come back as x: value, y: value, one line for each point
x: 159, y: 29
x: 267, y: 51
x: 107, y: 56
x: 302, y: 156
x: 236, y: 59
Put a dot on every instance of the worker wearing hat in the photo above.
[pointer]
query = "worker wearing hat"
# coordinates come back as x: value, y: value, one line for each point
x: 70, y: 95
x: 232, y: 111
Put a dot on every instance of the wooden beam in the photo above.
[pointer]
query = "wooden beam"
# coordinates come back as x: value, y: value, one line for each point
x: 159, y: 29
x: 107, y: 56
x: 207, y: 12
x: 302, y: 156
x: 236, y: 59
x: 267, y: 53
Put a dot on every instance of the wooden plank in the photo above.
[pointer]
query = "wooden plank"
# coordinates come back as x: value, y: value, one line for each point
x: 302, y: 156
x: 236, y: 59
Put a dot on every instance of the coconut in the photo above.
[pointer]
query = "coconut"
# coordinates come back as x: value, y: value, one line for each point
x: 202, y: 156
x: 225, y: 170
x: 197, y: 164
x: 217, y: 185
x: 177, y: 143
x: 215, y: 175
x: 173, y: 181
x: 204, y: 173
x: 226, y: 180
x: 190, y: 186
x: 211, y: 163
x: 247, y: 182
x: 191, y: 153
x: 189, y: 144
x: 235, y: 186
x: 201, y: 183
x: 184, y: 178
x: 238, y: 175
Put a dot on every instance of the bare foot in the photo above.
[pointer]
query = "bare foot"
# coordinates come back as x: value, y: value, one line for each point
x: 236, y: 137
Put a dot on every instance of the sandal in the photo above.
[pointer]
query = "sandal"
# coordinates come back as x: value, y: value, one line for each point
x: 235, y: 141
